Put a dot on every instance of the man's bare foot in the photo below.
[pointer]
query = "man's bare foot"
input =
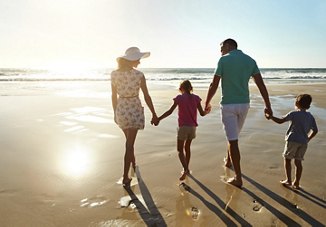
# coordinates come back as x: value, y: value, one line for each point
x: 235, y: 182
x: 227, y: 162
x: 286, y: 183
x: 133, y: 162
x: 126, y: 182
x: 183, y: 175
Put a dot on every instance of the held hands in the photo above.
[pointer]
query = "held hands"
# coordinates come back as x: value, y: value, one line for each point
x: 268, y: 113
x: 155, y: 121
x: 208, y: 108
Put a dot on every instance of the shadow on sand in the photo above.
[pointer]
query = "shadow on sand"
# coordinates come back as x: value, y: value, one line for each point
x: 290, y: 206
x: 150, y: 215
x: 218, y: 211
x: 309, y: 196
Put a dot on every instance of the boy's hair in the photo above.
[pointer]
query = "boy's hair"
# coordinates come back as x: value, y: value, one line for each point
x: 303, y: 101
x: 186, y: 86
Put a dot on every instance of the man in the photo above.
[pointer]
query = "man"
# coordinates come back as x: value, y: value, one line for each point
x: 234, y: 69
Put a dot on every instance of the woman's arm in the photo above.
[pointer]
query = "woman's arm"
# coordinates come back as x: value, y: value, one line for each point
x: 114, y: 98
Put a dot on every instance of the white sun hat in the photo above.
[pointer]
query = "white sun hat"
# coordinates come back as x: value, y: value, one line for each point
x: 134, y: 54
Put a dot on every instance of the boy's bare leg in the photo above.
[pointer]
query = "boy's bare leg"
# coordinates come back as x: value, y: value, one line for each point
x: 235, y: 158
x: 287, y: 168
x: 298, y: 173
x: 182, y: 159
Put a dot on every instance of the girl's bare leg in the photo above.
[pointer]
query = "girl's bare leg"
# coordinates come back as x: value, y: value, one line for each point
x: 180, y: 147
x: 188, y: 152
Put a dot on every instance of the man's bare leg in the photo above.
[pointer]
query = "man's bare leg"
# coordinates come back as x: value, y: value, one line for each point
x: 234, y: 153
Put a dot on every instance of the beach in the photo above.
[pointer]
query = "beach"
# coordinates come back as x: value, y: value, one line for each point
x: 62, y: 161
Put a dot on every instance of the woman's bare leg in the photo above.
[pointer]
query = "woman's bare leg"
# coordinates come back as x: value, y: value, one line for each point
x: 129, y: 157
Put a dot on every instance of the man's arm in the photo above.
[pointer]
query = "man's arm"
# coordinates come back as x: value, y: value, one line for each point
x: 212, y: 90
x: 264, y: 93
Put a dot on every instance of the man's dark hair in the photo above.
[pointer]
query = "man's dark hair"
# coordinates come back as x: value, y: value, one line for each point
x: 231, y: 42
x: 304, y: 101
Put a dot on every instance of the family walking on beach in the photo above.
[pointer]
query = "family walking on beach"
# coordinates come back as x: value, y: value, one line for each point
x: 234, y: 70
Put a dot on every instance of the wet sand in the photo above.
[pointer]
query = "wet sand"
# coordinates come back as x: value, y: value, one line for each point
x: 61, y: 162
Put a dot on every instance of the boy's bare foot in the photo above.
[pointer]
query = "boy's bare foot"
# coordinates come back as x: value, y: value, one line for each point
x: 126, y: 183
x: 227, y: 162
x: 183, y: 175
x: 286, y: 183
x: 296, y: 186
x: 235, y: 182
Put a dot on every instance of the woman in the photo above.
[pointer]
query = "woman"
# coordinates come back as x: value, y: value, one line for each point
x: 128, y: 111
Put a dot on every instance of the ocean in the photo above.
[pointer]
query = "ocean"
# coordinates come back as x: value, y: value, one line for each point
x: 200, y: 77
x: 285, y: 75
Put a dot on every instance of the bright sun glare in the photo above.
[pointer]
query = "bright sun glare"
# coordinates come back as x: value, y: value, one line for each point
x: 76, y: 162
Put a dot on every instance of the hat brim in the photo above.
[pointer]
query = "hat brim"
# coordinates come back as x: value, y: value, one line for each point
x: 136, y: 56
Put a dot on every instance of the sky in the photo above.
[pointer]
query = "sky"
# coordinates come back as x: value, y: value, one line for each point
x: 178, y: 33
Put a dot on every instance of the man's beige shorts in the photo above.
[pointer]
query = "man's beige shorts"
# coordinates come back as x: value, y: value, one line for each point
x: 293, y: 150
x: 233, y: 118
x: 186, y: 132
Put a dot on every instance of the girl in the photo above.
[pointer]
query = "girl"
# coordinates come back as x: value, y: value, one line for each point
x: 188, y: 104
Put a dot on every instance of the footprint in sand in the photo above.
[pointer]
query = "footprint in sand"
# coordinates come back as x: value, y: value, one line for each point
x: 257, y: 206
x: 93, y: 202
x: 195, y: 213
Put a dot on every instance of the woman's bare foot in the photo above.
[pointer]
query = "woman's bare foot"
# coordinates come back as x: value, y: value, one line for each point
x: 183, y: 175
x: 235, y: 182
x: 286, y: 183
x: 126, y: 182
x: 227, y: 162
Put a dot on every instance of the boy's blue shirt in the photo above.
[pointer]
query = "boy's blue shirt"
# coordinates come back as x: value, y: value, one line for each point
x: 301, y: 122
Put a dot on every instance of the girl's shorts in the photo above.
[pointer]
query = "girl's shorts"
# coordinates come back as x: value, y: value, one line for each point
x: 186, y: 132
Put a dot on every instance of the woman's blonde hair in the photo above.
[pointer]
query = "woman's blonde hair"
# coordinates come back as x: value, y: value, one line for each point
x: 122, y: 63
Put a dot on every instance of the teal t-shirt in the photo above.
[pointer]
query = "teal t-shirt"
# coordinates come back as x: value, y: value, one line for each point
x: 235, y: 70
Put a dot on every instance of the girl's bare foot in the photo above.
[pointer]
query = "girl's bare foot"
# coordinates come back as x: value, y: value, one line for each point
x: 286, y: 183
x: 184, y: 174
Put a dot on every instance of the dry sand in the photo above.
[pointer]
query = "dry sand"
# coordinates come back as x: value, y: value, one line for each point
x: 61, y: 159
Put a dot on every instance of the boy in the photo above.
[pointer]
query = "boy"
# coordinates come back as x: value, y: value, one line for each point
x: 301, y: 130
